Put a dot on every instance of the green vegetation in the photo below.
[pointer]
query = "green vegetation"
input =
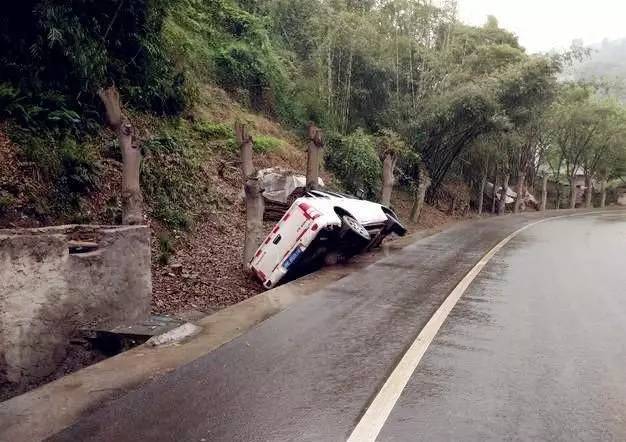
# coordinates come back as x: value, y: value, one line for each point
x: 354, y: 160
x: 166, y: 248
x: 214, y: 131
x: 171, y: 174
x: 265, y: 144
x: 375, y: 75
x: 6, y: 202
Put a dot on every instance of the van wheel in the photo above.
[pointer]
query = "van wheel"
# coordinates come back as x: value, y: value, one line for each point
x: 350, y: 226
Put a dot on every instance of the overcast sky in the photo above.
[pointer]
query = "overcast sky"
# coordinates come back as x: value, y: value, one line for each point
x: 542, y: 25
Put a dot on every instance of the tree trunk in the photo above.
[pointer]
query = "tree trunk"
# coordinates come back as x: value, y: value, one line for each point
x: 132, y: 198
x: 520, y: 192
x: 588, y: 192
x: 245, y: 151
x: 452, y: 207
x: 388, y: 180
x: 494, y: 194
x: 603, y: 194
x: 254, y: 219
x: 502, y: 202
x: 316, y: 143
x: 544, y: 193
x: 420, y: 196
x: 329, y: 62
x: 253, y: 190
x: 572, y: 192
x: 481, y: 194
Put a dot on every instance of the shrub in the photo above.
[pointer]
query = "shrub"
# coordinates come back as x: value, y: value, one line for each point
x: 166, y: 248
x: 71, y: 167
x: 354, y: 160
x: 6, y: 201
x: 214, y: 131
x: 266, y: 144
x: 79, y: 170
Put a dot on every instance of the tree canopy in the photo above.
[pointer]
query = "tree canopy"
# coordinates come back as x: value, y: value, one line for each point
x: 356, y: 68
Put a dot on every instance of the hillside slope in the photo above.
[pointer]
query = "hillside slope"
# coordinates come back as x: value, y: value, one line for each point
x: 192, y: 186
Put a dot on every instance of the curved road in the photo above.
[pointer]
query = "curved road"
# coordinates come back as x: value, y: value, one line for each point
x: 534, y: 349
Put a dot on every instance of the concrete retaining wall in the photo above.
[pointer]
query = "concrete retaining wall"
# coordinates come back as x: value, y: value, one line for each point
x: 50, y: 287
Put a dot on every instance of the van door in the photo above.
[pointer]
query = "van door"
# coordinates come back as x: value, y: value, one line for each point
x: 281, y: 240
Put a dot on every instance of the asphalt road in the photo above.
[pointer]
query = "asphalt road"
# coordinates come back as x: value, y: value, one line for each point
x: 533, y: 350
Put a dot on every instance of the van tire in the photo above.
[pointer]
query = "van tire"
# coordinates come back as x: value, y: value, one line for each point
x: 395, y: 226
x: 350, y: 226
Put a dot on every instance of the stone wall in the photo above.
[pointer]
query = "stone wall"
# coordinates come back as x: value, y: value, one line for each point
x: 55, y: 280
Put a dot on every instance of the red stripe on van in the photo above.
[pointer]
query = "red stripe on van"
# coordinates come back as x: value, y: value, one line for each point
x: 302, y: 234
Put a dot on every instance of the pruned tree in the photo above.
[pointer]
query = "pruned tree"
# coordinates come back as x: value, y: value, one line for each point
x: 390, y: 147
x: 389, y: 164
x: 253, y: 190
x: 316, y: 144
x: 132, y: 198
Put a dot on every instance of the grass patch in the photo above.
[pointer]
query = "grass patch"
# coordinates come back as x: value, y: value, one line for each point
x: 214, y: 131
x: 266, y: 144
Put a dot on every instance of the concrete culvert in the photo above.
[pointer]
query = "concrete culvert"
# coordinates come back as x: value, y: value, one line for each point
x: 57, y: 280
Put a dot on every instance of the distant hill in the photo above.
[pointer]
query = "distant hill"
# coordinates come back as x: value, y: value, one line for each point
x: 607, y: 64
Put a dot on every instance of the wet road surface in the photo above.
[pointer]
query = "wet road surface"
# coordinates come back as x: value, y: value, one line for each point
x: 533, y: 349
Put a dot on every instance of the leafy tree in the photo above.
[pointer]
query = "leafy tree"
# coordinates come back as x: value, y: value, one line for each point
x: 451, y: 123
x: 525, y: 92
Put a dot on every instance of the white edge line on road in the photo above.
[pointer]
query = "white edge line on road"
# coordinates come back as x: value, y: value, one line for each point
x: 376, y: 415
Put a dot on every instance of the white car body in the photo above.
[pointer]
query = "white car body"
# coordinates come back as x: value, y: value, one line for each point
x: 319, y: 211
